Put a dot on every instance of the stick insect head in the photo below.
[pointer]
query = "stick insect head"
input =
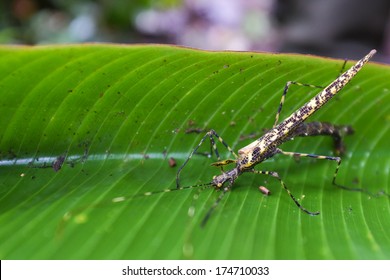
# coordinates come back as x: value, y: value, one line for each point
x: 230, y: 176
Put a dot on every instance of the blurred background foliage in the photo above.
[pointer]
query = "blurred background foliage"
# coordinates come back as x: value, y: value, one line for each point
x: 336, y: 28
x: 215, y: 24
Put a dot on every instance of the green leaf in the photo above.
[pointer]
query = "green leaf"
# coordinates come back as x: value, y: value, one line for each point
x: 118, y: 113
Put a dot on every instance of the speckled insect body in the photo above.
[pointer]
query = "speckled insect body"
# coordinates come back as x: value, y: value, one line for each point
x: 267, y: 145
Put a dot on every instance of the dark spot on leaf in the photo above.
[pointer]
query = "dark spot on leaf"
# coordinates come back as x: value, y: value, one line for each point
x: 57, y: 164
x: 172, y: 162
x: 191, y: 122
x: 194, y: 130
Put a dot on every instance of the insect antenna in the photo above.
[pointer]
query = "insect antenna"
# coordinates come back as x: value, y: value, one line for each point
x: 72, y: 213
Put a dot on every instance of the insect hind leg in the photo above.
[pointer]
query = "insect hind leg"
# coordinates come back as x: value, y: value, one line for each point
x: 337, y: 159
x: 210, y: 134
x: 337, y: 132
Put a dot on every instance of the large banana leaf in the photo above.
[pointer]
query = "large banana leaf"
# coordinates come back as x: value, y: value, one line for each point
x: 82, y: 125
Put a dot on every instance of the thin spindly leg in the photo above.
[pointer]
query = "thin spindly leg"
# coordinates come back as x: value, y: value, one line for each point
x: 276, y: 175
x: 215, y: 204
x: 191, y: 209
x: 288, y: 84
x: 337, y: 159
x: 286, y: 88
x: 282, y: 100
x: 337, y: 132
x: 211, y: 134
x: 342, y: 67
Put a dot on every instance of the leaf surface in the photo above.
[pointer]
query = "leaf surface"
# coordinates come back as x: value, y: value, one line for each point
x: 116, y: 114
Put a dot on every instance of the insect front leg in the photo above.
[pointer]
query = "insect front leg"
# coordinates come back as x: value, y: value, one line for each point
x: 215, y: 204
x: 276, y: 175
x: 210, y: 134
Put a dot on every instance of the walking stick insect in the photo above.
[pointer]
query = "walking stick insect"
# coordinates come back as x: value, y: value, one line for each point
x: 267, y: 145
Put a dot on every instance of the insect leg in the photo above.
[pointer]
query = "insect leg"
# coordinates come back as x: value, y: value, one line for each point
x: 217, y: 201
x: 210, y: 134
x: 276, y: 175
x: 339, y: 148
x: 337, y: 159
x: 342, y: 68
x: 337, y: 132
x: 286, y: 88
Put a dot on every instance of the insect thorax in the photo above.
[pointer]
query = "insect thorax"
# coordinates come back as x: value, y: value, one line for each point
x: 257, y: 151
